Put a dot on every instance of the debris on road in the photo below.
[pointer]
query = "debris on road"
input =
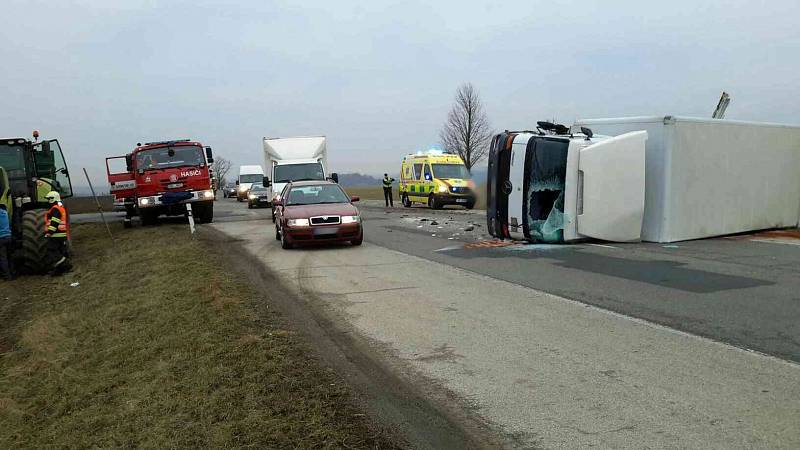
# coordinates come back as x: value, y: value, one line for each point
x: 469, y: 228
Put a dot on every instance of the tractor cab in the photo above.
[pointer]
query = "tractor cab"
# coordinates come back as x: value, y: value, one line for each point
x: 28, y: 171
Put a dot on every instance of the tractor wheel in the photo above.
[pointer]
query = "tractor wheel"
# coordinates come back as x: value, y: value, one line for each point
x: 34, y: 244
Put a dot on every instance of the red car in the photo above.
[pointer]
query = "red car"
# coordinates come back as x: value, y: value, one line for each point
x: 315, y: 212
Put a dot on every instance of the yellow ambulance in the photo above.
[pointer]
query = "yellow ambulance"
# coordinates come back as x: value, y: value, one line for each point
x: 436, y: 179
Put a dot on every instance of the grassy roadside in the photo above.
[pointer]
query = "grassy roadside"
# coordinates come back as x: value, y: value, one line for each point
x: 160, y: 346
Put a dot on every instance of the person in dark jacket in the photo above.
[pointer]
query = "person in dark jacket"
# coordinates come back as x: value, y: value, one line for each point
x: 387, y: 190
x: 6, y: 268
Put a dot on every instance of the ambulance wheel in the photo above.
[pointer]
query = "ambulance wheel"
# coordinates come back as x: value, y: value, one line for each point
x: 406, y: 201
x: 433, y: 203
x: 469, y: 205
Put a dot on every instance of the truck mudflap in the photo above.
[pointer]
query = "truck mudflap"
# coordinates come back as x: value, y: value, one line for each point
x: 498, y: 186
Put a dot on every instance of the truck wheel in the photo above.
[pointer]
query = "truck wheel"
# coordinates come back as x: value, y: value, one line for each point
x: 34, y: 244
x: 406, y: 201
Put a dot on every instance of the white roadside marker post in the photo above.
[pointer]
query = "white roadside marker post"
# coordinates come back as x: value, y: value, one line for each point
x: 191, y: 218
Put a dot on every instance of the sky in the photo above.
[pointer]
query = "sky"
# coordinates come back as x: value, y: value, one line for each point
x: 377, y: 78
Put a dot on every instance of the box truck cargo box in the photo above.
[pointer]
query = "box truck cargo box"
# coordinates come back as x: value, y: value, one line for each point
x: 711, y: 177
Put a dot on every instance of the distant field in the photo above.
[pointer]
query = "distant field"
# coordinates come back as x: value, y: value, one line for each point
x: 79, y: 205
x: 376, y: 193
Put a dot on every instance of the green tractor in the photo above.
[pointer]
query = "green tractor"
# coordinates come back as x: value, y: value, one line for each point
x: 28, y: 171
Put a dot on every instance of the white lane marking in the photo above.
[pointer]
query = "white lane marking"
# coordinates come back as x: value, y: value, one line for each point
x: 771, y: 241
x: 602, y: 245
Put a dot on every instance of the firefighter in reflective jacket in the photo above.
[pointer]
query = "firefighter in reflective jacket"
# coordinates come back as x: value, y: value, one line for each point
x: 57, y: 234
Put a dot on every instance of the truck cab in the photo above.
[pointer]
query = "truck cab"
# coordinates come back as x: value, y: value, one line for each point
x: 290, y: 159
x: 161, y: 177
x: 248, y: 176
x: 555, y: 186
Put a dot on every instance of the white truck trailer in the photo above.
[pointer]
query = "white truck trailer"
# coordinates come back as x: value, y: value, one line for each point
x: 295, y: 159
x: 712, y: 177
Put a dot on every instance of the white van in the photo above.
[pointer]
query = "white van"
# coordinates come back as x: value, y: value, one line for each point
x: 248, y: 175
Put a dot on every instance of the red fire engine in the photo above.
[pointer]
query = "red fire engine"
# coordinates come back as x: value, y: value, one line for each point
x: 160, y: 178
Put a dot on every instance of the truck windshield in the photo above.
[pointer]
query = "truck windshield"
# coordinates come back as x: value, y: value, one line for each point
x: 298, y: 172
x: 312, y: 195
x: 450, y: 171
x: 251, y: 178
x: 166, y: 157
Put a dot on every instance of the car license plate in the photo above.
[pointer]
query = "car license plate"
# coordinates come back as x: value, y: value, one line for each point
x: 461, y: 200
x: 325, y: 231
x: 174, y: 185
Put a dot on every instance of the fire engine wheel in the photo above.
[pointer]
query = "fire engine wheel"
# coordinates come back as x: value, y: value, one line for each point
x: 34, y: 244
x: 148, y: 217
x: 203, y: 212
x: 406, y: 201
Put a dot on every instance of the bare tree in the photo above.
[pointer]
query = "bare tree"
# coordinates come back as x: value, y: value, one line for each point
x: 221, y: 167
x: 467, y: 130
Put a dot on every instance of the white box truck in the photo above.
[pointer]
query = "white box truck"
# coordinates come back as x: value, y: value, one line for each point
x: 712, y: 177
x: 248, y: 175
x: 295, y: 159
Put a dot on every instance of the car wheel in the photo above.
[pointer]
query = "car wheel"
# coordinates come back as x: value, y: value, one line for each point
x: 406, y: 201
x: 358, y: 241
x: 285, y: 244
x: 249, y: 206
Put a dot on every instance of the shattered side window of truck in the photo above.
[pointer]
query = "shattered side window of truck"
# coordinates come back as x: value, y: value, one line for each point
x: 545, y: 175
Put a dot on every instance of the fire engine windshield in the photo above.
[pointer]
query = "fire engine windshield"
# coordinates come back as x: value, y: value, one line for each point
x: 166, y: 157
x: 450, y: 171
x: 298, y: 172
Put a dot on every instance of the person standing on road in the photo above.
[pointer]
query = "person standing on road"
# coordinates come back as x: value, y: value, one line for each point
x: 387, y: 190
x: 6, y: 269
x: 57, y: 233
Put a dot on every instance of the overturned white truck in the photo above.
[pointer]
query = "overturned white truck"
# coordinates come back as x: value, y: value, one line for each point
x: 554, y: 186
x: 678, y: 178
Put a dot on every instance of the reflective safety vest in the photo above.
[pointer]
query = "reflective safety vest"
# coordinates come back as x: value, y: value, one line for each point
x: 56, y: 222
x: 387, y: 182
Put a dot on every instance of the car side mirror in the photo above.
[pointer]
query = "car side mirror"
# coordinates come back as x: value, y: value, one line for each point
x: 266, y: 182
x: 129, y: 162
x: 335, y: 177
x: 355, y: 198
x: 237, y: 182
x: 209, y: 155
x: 46, y: 148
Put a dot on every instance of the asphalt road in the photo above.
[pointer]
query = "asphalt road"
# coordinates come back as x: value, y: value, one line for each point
x: 744, y: 291
x: 739, y: 291
x: 542, y: 370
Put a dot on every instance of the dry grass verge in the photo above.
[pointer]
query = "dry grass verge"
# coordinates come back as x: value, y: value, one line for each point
x: 160, y: 347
